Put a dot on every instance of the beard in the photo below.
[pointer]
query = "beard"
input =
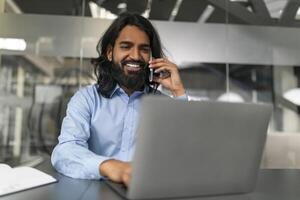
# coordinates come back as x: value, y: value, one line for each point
x: 132, y: 81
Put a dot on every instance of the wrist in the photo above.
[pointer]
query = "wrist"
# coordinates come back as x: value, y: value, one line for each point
x: 105, y: 167
x: 179, y: 92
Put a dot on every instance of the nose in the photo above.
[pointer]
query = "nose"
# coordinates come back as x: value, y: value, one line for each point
x: 135, y: 54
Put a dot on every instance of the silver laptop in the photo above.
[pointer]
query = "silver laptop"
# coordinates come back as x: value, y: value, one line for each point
x: 190, y: 149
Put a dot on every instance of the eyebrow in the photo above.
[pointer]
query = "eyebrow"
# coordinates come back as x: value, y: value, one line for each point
x: 145, y: 45
x: 125, y: 42
x: 130, y: 43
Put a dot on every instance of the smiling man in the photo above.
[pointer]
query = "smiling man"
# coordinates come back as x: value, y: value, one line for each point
x: 97, y: 137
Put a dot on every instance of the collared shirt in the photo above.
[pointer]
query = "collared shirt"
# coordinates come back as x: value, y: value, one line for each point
x: 96, y: 129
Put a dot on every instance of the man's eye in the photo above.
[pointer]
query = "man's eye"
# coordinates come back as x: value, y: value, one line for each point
x: 124, y: 46
x: 146, y: 50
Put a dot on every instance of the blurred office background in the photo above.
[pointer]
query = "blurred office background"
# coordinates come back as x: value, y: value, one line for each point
x: 227, y: 50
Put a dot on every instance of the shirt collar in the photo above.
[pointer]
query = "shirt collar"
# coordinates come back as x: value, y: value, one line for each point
x: 118, y: 88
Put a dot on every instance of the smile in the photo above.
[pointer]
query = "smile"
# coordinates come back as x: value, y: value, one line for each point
x: 133, y: 67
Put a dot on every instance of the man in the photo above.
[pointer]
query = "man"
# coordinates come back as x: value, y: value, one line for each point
x: 98, y: 133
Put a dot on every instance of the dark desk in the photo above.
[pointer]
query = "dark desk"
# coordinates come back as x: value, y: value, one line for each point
x: 272, y: 185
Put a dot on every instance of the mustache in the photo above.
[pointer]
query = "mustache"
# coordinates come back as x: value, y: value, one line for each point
x: 138, y: 62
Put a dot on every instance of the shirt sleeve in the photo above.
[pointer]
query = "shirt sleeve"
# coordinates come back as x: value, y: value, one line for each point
x: 182, y: 97
x: 72, y: 156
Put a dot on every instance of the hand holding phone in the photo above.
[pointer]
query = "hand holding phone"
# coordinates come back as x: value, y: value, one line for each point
x: 162, y: 74
x: 166, y: 73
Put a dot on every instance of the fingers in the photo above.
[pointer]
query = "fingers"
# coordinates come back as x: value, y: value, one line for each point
x: 158, y: 60
x: 126, y: 175
x: 116, y: 170
x: 126, y: 179
x: 127, y: 169
x: 157, y: 80
x: 162, y: 64
x: 163, y: 68
x: 171, y: 82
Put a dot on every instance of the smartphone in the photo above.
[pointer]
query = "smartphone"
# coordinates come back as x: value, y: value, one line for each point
x: 162, y: 74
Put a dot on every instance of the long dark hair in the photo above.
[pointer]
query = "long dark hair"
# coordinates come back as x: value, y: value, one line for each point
x: 102, y: 65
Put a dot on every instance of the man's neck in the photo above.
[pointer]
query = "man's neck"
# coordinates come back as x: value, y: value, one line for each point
x: 129, y: 91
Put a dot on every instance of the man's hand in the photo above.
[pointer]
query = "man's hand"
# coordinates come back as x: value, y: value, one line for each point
x: 173, y: 82
x: 116, y: 170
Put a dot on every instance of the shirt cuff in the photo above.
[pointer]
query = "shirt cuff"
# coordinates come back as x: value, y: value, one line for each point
x: 182, y: 97
x: 94, y: 166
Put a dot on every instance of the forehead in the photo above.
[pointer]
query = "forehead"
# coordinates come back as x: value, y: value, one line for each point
x: 133, y: 34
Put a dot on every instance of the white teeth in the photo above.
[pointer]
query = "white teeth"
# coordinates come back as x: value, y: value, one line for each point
x: 133, y: 65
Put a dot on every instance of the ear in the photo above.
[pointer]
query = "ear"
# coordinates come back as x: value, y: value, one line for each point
x: 109, y: 53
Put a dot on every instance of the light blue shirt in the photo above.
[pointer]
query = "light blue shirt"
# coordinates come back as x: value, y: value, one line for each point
x: 96, y: 129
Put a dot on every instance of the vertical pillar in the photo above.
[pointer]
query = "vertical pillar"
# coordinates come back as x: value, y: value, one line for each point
x: 19, y: 113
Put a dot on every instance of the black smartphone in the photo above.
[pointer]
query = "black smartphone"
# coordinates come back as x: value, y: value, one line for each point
x: 152, y: 74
